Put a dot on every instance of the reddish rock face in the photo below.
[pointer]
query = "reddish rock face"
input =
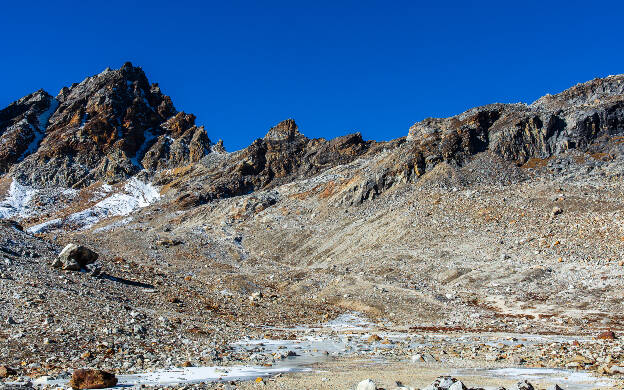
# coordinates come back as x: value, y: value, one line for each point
x: 103, y: 128
x: 608, y: 335
x: 92, y: 379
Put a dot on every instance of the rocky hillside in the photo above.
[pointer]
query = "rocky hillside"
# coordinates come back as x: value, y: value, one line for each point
x: 504, y: 218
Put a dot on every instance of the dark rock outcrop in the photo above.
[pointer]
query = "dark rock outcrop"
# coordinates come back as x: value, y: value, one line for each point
x: 283, y: 155
x: 575, y: 118
x: 22, y: 127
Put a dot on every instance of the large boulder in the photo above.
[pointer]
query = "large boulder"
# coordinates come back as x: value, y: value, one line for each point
x: 92, y: 379
x: 75, y: 257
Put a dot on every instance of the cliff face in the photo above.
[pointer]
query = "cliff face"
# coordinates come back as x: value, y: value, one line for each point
x: 108, y: 127
x: 573, y: 119
x: 22, y: 127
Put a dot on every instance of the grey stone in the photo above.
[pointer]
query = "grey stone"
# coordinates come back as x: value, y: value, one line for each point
x: 75, y: 257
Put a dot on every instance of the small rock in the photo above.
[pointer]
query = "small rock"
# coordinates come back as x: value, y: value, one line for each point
x: 6, y: 371
x: 524, y: 385
x: 445, y: 383
x: 372, y: 338
x: 255, y: 296
x: 94, y: 269
x: 608, y: 335
x: 366, y: 384
x: 556, y: 211
x: 92, y: 379
x: 554, y: 387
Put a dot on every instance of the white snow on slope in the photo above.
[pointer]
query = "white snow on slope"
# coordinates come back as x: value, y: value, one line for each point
x: 16, y: 202
x: 43, y: 119
x: 136, y: 194
x: 149, y: 136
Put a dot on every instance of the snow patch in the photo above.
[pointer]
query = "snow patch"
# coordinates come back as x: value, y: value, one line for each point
x: 349, y: 321
x: 17, y: 200
x: 45, y: 226
x: 149, y: 137
x: 39, y: 132
x: 573, y: 380
x: 136, y: 195
x: 176, y: 376
x: 202, y: 374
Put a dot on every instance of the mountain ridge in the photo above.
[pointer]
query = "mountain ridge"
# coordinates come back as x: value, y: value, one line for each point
x: 115, y: 124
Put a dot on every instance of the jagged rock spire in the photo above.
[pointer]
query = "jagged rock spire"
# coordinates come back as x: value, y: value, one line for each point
x: 284, y: 131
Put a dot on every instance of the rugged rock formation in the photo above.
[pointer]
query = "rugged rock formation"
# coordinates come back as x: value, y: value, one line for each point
x: 572, y: 119
x: 108, y: 127
x: 283, y: 155
x: 22, y: 127
x: 114, y: 124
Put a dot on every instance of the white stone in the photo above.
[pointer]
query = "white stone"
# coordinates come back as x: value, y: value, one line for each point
x: 366, y: 384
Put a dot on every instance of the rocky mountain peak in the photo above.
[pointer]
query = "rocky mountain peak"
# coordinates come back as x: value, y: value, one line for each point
x: 107, y: 127
x: 286, y: 130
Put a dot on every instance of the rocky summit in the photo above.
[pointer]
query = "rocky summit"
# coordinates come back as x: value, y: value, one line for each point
x: 107, y: 127
x: 485, y: 248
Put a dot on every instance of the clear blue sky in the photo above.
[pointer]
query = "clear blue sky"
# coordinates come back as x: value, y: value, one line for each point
x: 335, y: 66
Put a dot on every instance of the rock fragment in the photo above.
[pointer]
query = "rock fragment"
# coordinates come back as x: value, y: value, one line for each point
x: 556, y: 211
x: 75, y: 257
x: 6, y: 371
x: 446, y: 383
x: 607, y: 335
x: 92, y: 379
x: 524, y: 385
